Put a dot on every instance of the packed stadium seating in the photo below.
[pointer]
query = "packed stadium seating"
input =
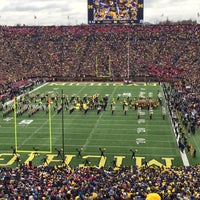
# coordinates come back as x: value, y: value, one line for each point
x: 71, y: 51
x: 93, y: 183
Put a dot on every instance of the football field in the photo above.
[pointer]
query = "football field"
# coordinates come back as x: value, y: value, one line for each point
x: 49, y: 126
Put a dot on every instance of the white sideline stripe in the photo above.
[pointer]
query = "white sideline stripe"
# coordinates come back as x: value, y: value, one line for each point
x: 38, y: 87
x: 183, y: 155
x: 18, y: 97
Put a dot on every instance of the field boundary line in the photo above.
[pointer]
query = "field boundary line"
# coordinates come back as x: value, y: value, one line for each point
x: 183, y: 154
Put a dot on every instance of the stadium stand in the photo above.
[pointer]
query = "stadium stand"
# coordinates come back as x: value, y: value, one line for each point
x: 160, y: 51
x: 94, y: 183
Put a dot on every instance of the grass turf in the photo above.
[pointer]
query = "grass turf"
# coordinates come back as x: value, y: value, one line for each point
x: 117, y: 133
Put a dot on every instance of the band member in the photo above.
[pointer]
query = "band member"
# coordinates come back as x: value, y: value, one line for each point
x: 114, y: 162
x: 86, y: 110
x: 118, y: 97
x: 102, y: 150
x: 59, y: 108
x: 123, y: 105
x: 17, y: 160
x: 112, y: 103
x: 79, y: 150
x: 125, y: 110
x: 151, y: 113
x: 133, y: 153
x: 59, y: 152
x: 113, y: 109
x: 86, y: 162
x: 163, y: 112
x: 98, y: 109
x: 36, y: 149
x: 194, y: 153
x: 146, y: 163
x: 14, y: 150
x: 45, y: 160
x: 71, y: 110
x: 72, y: 98
x: 139, y: 112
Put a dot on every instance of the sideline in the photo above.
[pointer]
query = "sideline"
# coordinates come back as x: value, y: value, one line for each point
x: 183, y: 154
x: 39, y: 87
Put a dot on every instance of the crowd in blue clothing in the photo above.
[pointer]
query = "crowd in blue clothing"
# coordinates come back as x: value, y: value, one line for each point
x: 53, y: 182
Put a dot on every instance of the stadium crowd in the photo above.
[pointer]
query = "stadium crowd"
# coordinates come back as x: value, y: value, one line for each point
x: 166, y: 52
x: 88, y: 51
x: 97, y: 183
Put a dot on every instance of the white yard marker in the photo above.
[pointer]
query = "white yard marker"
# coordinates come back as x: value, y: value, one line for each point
x: 140, y: 141
x: 141, y: 121
x: 141, y: 130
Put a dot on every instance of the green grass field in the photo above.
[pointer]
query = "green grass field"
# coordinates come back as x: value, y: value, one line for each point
x: 153, y: 139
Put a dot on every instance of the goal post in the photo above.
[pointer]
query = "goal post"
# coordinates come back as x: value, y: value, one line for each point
x: 16, y: 144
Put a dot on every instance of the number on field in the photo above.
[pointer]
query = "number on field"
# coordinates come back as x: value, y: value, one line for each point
x: 26, y: 122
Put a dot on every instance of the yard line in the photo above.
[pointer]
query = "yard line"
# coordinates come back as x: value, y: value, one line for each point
x: 92, y: 131
x: 106, y: 140
x: 126, y: 147
x: 84, y: 86
x: 108, y: 146
x: 33, y: 133
x: 96, y: 124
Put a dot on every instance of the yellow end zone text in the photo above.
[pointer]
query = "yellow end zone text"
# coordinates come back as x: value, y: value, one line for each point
x: 8, y: 159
